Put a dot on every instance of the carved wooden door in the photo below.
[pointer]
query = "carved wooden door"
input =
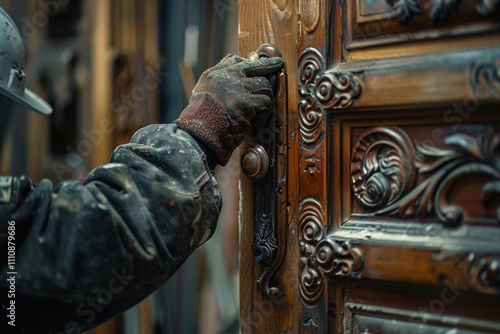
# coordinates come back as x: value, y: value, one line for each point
x: 372, y: 200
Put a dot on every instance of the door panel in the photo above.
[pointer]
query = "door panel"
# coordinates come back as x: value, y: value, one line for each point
x: 387, y: 215
x: 379, y: 29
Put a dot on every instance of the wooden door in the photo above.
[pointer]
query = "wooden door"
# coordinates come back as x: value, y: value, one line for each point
x: 379, y: 208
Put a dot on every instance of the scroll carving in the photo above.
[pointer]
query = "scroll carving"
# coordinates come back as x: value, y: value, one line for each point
x: 320, y: 256
x: 489, y: 273
x: 442, y: 9
x: 322, y: 91
x: 485, y: 81
x: 382, y: 167
x: 405, y: 9
x: 386, y: 163
x: 311, y: 231
x: 482, y: 271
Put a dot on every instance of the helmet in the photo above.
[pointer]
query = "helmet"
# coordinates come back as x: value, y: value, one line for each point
x: 12, y: 76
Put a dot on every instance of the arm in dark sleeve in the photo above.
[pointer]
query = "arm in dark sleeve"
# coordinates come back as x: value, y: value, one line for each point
x: 88, y: 251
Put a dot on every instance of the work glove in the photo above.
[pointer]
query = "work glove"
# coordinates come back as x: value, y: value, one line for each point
x: 227, y: 99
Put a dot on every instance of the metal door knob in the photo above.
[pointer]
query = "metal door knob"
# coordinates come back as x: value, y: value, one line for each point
x: 255, y: 162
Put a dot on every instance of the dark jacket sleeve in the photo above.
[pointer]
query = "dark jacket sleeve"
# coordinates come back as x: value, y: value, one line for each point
x: 88, y: 251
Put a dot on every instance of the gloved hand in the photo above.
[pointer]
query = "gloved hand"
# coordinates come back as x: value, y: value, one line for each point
x: 226, y: 100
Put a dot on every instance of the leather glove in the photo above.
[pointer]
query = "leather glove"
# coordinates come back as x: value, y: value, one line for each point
x: 226, y: 100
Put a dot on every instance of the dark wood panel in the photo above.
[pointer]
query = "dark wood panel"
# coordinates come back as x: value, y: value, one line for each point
x: 389, y: 22
x: 469, y: 78
x: 382, y: 308
x: 369, y: 252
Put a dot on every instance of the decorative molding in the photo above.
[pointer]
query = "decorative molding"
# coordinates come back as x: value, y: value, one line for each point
x: 438, y: 10
x: 311, y: 230
x: 482, y: 272
x: 384, y: 168
x: 312, y: 168
x: 441, y: 10
x: 364, y: 316
x: 488, y: 275
x: 311, y: 323
x: 339, y: 258
x: 488, y: 7
x: 320, y: 256
x: 322, y: 91
x: 484, y: 81
x: 405, y: 9
x: 311, y: 65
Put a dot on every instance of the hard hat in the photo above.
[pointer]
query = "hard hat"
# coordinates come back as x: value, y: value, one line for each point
x: 12, y: 61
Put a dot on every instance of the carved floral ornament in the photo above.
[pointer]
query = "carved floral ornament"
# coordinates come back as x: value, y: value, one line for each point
x: 386, y: 164
x: 439, y: 10
x: 322, y: 91
x: 391, y: 175
x: 320, y: 256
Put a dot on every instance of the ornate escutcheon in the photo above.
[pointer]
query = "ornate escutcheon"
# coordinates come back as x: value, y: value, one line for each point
x: 264, y: 162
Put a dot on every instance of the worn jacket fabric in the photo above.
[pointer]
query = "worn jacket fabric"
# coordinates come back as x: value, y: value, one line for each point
x: 85, y: 252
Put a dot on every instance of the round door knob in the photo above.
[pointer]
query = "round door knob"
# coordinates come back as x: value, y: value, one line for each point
x: 255, y: 162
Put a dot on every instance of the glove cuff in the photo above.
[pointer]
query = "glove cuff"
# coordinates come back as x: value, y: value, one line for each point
x: 206, y: 119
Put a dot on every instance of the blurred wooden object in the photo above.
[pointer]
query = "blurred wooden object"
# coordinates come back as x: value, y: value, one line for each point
x: 38, y: 125
x: 131, y: 27
x: 146, y: 316
x: 105, y: 28
x: 97, y: 28
x: 135, y: 67
x: 98, y: 14
x: 386, y: 214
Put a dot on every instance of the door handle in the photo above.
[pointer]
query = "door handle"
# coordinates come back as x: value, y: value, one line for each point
x: 264, y: 162
x: 255, y: 159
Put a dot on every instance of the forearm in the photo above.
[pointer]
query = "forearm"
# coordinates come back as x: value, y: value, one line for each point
x: 142, y: 215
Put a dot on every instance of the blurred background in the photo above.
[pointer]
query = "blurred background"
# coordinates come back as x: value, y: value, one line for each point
x: 109, y: 67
